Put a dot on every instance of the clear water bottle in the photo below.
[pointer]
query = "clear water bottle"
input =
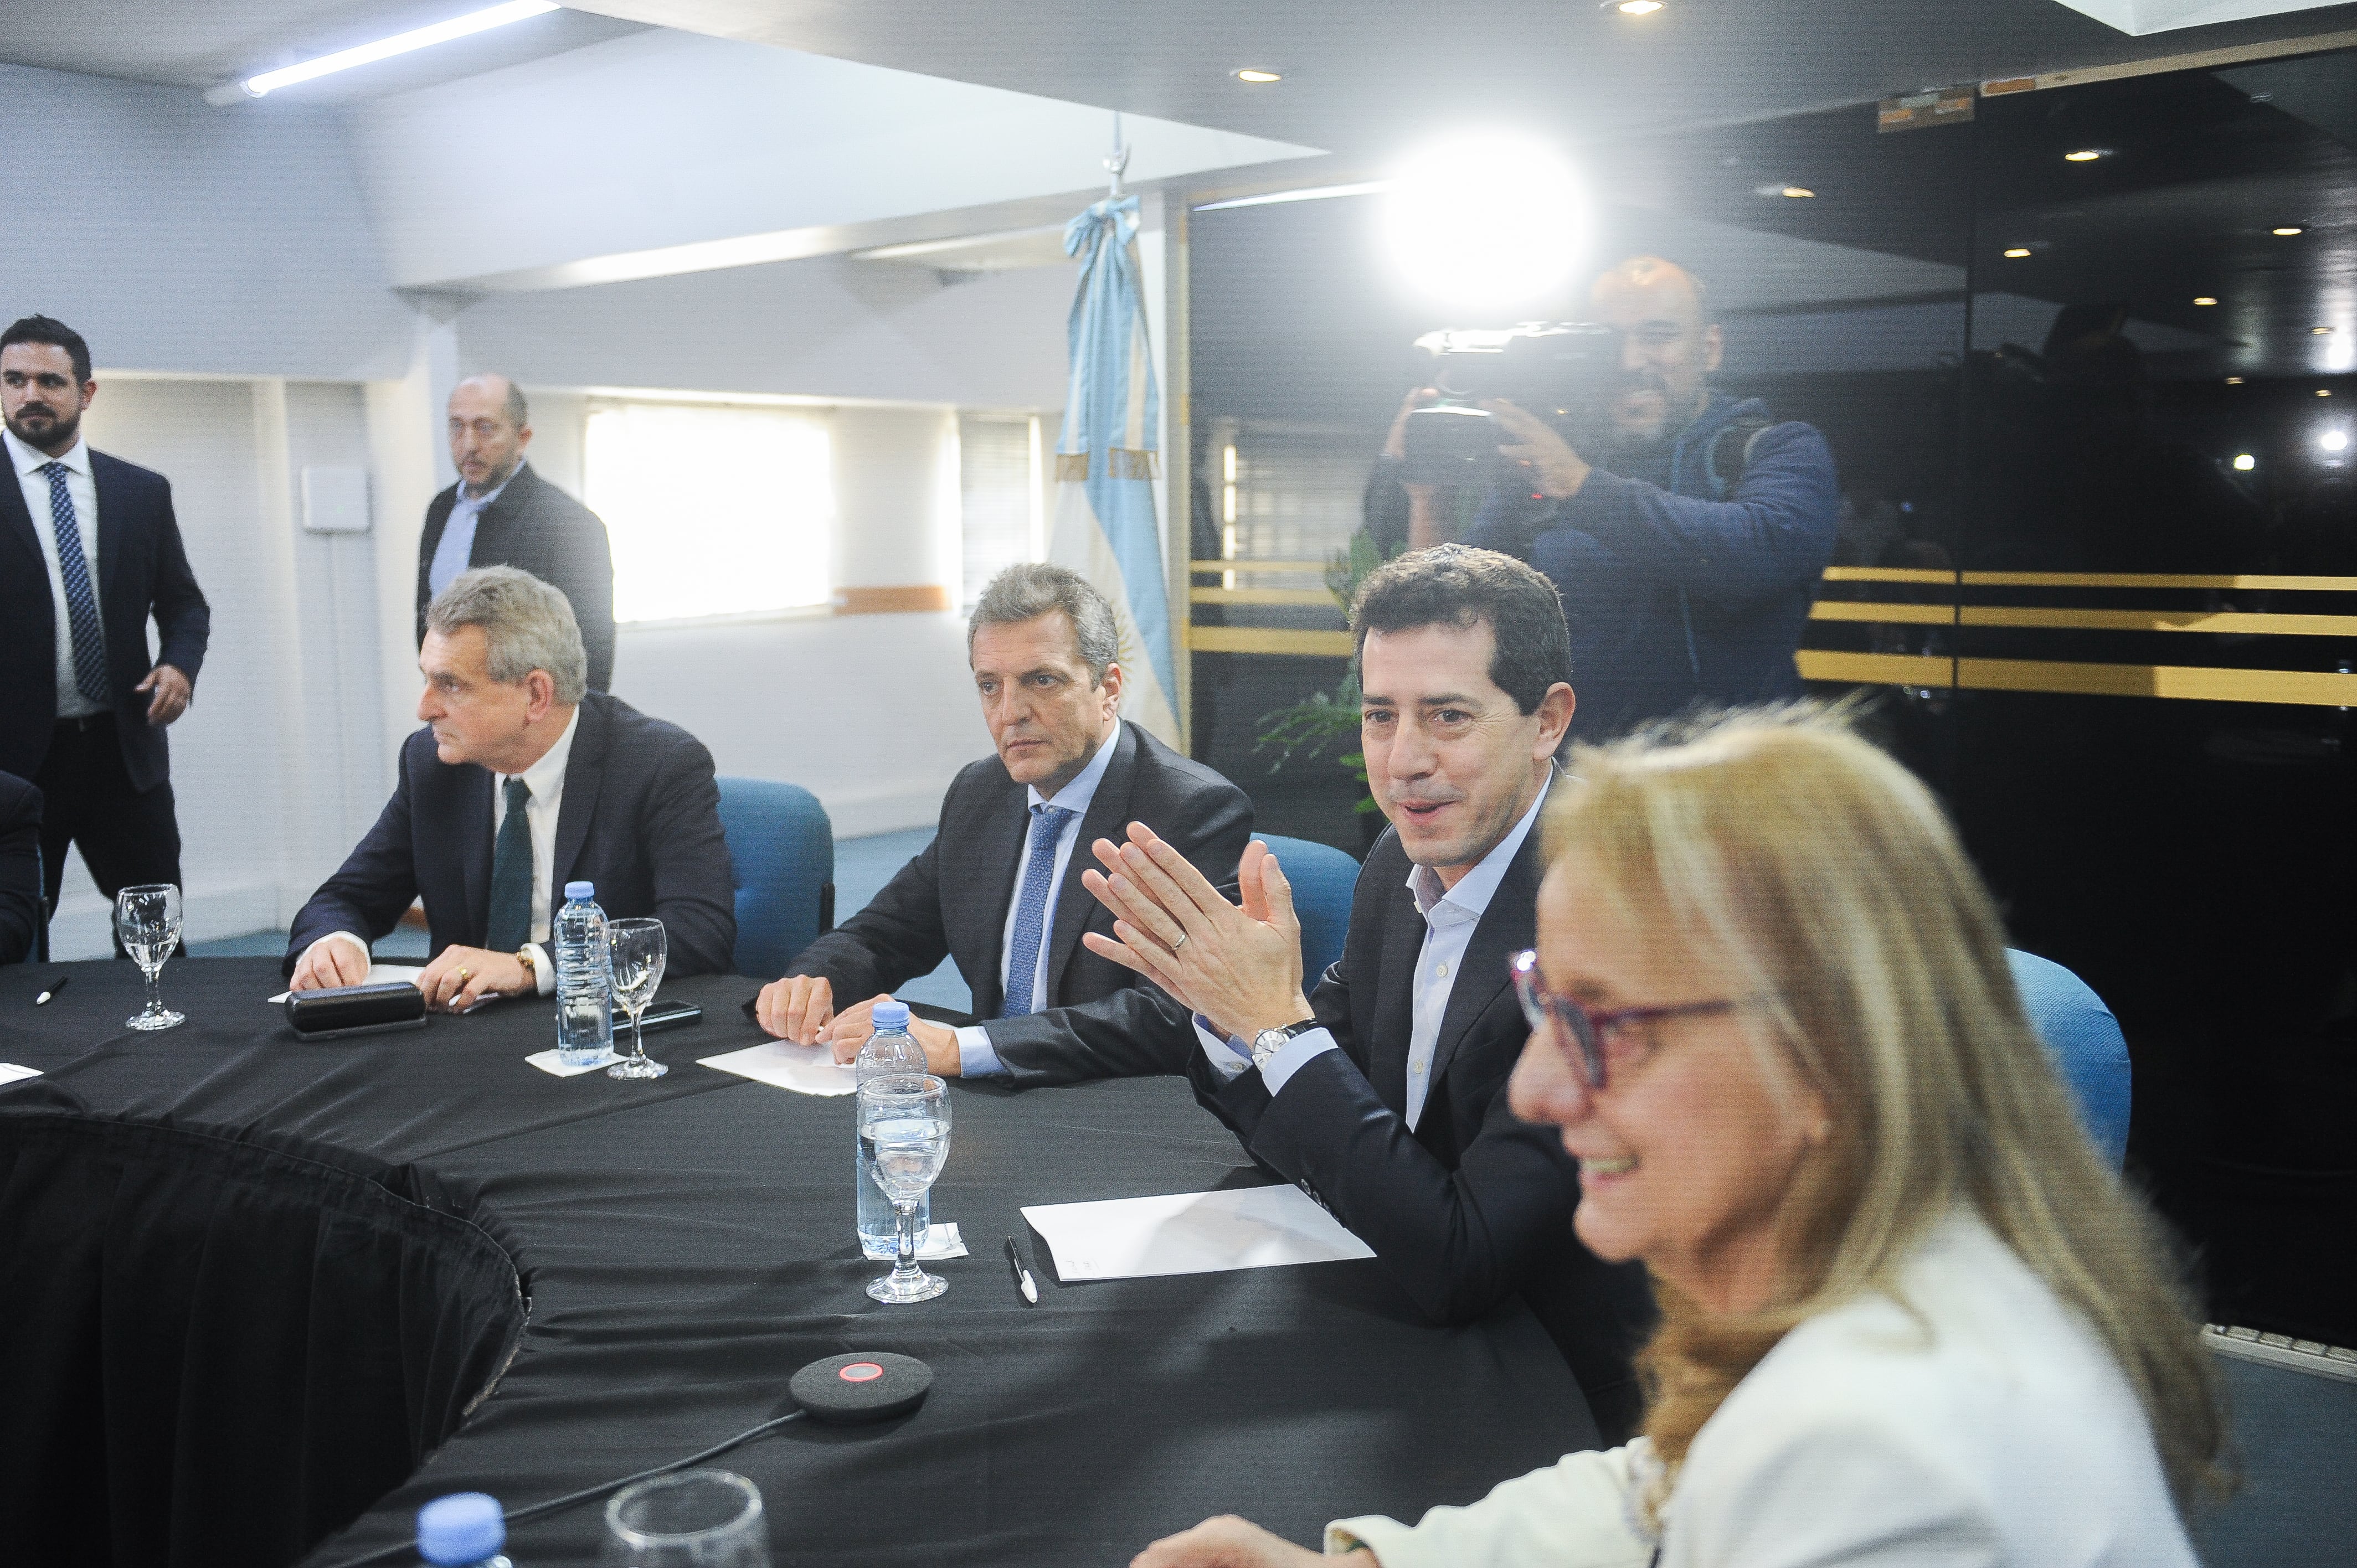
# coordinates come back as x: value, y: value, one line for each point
x: 585, y: 980
x: 891, y: 1051
x: 463, y: 1530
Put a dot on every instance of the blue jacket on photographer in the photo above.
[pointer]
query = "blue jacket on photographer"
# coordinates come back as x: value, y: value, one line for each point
x: 1688, y: 559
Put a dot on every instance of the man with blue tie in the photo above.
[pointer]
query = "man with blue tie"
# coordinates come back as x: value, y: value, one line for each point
x: 88, y: 551
x: 993, y: 890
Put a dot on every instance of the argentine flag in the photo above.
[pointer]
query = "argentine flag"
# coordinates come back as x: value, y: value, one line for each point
x: 1104, y: 526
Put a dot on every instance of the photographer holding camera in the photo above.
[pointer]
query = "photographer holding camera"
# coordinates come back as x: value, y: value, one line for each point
x: 1687, y: 551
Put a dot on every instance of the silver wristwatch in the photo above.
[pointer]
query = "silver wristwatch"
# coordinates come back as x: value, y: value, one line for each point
x: 1268, y: 1042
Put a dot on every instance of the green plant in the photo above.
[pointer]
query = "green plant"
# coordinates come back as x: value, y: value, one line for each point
x: 1308, y: 727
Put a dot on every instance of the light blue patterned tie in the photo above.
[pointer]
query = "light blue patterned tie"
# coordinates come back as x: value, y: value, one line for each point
x: 81, y: 604
x: 1031, y: 910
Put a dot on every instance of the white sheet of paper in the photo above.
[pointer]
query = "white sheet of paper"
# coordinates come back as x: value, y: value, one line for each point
x: 1191, y: 1233
x: 805, y: 1069
x: 378, y: 975
x: 10, y: 1072
x: 939, y: 1241
x: 549, y: 1062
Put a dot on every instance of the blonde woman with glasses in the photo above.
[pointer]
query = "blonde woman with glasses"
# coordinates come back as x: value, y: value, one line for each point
x: 1909, y: 1317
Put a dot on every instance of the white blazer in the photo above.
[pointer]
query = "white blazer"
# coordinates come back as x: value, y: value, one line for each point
x: 1985, y: 1427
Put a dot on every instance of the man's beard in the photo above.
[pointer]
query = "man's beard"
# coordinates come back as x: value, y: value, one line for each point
x: 60, y: 432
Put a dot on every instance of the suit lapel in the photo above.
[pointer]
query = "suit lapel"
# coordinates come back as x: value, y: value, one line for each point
x: 584, y: 771
x: 1000, y: 841
x: 109, y: 526
x: 1404, y: 932
x: 495, y: 528
x: 18, y: 522
x: 1108, y: 812
x: 475, y: 846
x: 1507, y: 926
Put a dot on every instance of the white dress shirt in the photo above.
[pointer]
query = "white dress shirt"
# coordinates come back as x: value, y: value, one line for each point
x: 546, y: 780
x: 1450, y: 915
x: 1964, y: 1417
x: 28, y: 462
x: 975, y: 1058
x: 457, y: 544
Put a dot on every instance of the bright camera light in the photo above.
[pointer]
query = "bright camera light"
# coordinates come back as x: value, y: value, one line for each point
x: 2334, y: 441
x: 1486, y: 221
x: 2245, y: 462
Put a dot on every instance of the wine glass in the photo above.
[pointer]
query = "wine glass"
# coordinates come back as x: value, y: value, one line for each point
x: 904, y: 1122
x: 636, y: 949
x: 695, y: 1518
x: 147, y: 924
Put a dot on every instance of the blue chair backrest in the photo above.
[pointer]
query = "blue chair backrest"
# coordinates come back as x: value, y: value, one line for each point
x: 2086, y: 1044
x: 781, y: 858
x: 1322, y: 878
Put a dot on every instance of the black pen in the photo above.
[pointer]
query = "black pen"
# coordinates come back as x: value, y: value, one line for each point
x: 55, y: 986
x: 1022, y: 1275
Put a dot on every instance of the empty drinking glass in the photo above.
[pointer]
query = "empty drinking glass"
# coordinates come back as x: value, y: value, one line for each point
x: 696, y: 1519
x: 904, y: 1126
x: 147, y: 923
x: 637, y: 947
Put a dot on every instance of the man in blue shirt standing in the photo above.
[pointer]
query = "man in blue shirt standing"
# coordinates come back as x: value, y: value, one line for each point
x: 1687, y: 551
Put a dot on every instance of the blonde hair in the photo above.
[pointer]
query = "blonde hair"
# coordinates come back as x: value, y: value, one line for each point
x: 1805, y: 866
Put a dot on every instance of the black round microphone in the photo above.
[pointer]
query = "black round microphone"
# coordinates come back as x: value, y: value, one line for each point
x: 869, y: 1385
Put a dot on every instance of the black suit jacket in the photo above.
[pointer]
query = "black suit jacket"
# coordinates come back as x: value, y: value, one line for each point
x: 20, y: 869
x: 640, y: 819
x: 142, y: 571
x: 952, y: 898
x: 538, y: 527
x: 1467, y: 1208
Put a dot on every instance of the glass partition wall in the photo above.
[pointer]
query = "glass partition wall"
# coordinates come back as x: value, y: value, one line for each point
x: 2085, y: 364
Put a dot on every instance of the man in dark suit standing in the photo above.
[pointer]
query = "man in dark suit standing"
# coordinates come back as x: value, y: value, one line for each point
x: 22, y: 910
x: 990, y: 890
x: 90, y: 551
x: 522, y: 781
x: 1383, y: 1091
x: 501, y: 513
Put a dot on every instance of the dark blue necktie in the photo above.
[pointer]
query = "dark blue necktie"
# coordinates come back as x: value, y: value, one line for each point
x: 81, y: 604
x: 1031, y: 910
x: 510, y: 925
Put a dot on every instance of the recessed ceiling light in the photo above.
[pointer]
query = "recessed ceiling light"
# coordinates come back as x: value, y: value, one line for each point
x: 2204, y: 299
x: 2245, y: 462
x: 2016, y: 253
x: 1256, y: 75
x: 2320, y: 331
x: 1796, y: 191
x: 2324, y: 392
x: 228, y: 92
x: 2083, y: 156
x: 2287, y: 232
x: 1636, y: 7
x: 2234, y: 381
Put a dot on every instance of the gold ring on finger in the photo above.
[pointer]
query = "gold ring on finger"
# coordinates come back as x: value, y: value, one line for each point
x: 462, y: 974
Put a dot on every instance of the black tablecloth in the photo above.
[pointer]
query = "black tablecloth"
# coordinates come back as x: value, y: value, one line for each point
x: 682, y: 1247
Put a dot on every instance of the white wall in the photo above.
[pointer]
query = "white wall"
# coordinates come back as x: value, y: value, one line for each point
x: 177, y: 237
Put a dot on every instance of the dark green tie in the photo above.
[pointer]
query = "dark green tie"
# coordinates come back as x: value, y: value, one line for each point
x: 510, y: 925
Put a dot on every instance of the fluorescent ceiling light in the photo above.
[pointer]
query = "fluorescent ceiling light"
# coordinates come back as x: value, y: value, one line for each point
x: 383, y: 49
x: 1310, y: 193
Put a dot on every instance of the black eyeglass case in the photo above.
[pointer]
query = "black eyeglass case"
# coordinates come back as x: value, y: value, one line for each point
x: 349, y: 1010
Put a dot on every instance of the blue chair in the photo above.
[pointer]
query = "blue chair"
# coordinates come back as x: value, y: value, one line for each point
x: 1322, y: 878
x: 2086, y: 1044
x: 781, y: 859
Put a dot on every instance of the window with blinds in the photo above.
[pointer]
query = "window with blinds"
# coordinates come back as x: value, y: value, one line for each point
x: 999, y: 495
x: 1290, y: 492
x: 712, y: 510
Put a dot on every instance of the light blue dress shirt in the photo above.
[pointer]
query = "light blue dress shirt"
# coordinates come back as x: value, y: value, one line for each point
x: 1451, y: 916
x: 975, y: 1059
x: 450, y: 557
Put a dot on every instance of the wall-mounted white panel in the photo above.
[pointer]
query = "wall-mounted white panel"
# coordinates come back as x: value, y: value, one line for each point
x: 335, y: 499
x: 2140, y: 16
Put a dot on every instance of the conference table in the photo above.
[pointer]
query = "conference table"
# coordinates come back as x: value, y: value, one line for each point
x: 261, y: 1297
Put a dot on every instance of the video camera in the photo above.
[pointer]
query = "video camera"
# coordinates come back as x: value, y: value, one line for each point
x: 1545, y: 368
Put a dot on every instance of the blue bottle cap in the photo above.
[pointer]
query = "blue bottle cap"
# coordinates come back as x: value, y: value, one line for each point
x: 891, y: 1015
x: 580, y: 890
x: 465, y: 1527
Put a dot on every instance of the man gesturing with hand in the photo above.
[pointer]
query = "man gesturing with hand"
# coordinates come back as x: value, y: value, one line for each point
x: 1382, y: 1091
